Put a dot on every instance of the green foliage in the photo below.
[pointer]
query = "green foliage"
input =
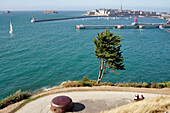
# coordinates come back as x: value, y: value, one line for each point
x: 145, y: 85
x: 16, y: 97
x: 85, y: 78
x: 168, y: 84
x: 162, y: 85
x: 85, y: 82
x: 107, y: 50
x: 107, y: 47
x: 154, y: 85
x: 139, y: 85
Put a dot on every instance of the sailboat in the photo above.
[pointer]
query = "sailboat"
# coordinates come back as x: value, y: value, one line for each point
x: 10, y: 30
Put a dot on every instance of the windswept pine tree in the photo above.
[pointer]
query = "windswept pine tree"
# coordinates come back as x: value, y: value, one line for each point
x: 107, y: 50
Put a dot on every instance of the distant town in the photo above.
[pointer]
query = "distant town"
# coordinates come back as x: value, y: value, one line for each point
x: 121, y: 12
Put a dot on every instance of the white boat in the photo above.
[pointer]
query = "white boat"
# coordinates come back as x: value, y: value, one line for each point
x: 80, y: 27
x: 33, y: 20
x: 135, y: 23
x: 10, y: 29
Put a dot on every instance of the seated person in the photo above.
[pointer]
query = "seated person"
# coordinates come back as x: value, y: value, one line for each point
x: 136, y: 97
x: 142, y: 97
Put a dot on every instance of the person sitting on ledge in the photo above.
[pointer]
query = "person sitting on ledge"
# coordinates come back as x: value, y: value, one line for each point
x: 136, y: 97
x: 142, y: 97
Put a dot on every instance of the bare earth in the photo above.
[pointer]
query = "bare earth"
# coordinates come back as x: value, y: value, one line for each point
x: 89, y: 99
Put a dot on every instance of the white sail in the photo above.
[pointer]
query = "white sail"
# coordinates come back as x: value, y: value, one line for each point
x: 10, y: 30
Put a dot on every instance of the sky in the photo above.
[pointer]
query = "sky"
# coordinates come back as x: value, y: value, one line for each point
x: 87, y: 5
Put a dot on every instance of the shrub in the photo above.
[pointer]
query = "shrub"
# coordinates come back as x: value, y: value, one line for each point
x: 85, y: 81
x: 132, y: 84
x: 105, y: 84
x: 85, y: 78
x: 139, y: 85
x: 153, y: 85
x: 16, y: 97
x: 71, y: 84
x: 145, y: 85
x: 162, y: 85
x: 119, y: 84
x: 168, y: 84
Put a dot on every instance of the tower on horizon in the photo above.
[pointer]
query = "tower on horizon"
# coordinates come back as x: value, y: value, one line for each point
x: 121, y: 7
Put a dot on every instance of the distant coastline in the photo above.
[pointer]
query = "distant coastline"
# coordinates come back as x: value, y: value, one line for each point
x: 129, y: 13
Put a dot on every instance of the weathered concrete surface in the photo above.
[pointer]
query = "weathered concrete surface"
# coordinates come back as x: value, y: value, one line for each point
x: 85, y: 101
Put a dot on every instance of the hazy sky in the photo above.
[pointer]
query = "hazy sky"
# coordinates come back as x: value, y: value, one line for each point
x: 160, y: 5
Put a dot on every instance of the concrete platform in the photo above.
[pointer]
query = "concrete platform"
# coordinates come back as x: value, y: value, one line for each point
x: 85, y: 101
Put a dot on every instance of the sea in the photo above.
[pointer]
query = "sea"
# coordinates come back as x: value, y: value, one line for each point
x: 45, y: 54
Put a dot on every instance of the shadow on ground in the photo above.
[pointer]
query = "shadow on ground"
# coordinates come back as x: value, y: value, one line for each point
x: 77, y: 107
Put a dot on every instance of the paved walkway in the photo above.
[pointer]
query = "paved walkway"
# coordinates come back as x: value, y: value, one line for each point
x: 85, y: 101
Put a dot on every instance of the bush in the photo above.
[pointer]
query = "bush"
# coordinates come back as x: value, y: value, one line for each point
x: 16, y: 97
x: 87, y: 82
x: 162, y: 85
x: 145, y: 85
x: 133, y: 84
x: 168, y: 84
x: 153, y: 85
x: 139, y: 85
x: 85, y: 78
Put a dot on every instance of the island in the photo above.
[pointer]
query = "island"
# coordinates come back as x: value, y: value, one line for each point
x: 6, y: 12
x: 50, y: 12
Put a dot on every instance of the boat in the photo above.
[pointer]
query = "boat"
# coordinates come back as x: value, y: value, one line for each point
x: 80, y: 27
x: 10, y: 30
x: 135, y: 22
x: 33, y: 20
x: 168, y: 23
x: 161, y: 27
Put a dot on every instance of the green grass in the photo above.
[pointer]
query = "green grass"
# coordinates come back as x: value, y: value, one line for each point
x: 86, y: 82
x: 16, y: 97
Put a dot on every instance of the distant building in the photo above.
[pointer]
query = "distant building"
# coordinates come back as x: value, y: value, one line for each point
x: 121, y: 8
x: 90, y: 13
x: 136, y: 12
x: 121, y: 12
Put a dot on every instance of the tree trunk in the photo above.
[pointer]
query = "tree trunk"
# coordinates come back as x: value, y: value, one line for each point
x: 100, y: 72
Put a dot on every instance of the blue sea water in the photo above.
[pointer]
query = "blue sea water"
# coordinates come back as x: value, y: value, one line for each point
x: 44, y: 54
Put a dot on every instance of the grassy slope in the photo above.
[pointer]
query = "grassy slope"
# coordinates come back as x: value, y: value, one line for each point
x: 154, y: 105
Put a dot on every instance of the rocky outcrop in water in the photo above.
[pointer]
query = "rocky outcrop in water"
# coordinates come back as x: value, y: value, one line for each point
x: 50, y: 12
x: 6, y: 12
